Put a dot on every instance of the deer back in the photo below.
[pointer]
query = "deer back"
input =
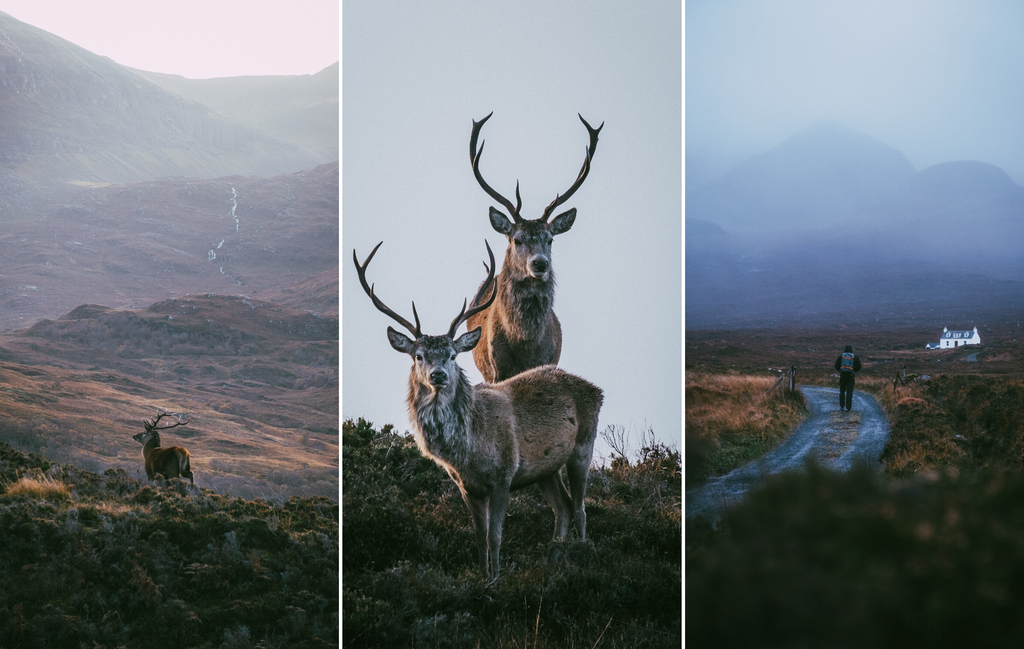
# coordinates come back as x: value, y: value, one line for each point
x: 552, y: 415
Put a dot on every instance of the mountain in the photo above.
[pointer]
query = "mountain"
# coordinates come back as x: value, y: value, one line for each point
x: 131, y: 244
x: 72, y: 116
x: 817, y: 177
x: 300, y: 109
x: 865, y: 240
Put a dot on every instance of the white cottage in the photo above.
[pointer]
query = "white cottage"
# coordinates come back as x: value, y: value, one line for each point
x: 955, y: 339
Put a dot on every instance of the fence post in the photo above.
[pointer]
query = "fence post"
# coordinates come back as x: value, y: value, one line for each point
x: 792, y: 378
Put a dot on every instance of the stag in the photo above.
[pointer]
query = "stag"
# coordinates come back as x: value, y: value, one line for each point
x: 522, y: 331
x: 169, y: 462
x: 495, y: 438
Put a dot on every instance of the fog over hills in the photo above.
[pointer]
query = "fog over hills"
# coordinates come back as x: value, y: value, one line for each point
x: 832, y: 226
x: 121, y: 188
x: 72, y: 116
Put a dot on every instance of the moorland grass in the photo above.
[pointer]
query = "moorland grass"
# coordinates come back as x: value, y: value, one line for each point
x: 114, y: 562
x: 409, y: 568
x: 924, y: 549
x: 730, y: 421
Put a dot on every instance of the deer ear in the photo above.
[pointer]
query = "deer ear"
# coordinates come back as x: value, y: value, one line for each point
x: 500, y: 222
x: 401, y: 342
x: 563, y: 222
x: 467, y: 341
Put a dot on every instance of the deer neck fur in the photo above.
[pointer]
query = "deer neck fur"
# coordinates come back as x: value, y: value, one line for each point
x: 152, y: 444
x: 442, y: 419
x: 526, y: 304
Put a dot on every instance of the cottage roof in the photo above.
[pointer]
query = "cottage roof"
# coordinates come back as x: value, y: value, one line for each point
x: 958, y: 333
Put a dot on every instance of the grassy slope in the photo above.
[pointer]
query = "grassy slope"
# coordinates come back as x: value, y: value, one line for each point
x: 106, y: 561
x: 730, y: 421
x: 925, y: 551
x: 410, y: 576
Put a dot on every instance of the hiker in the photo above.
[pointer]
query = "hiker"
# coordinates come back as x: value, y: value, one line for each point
x: 846, y: 365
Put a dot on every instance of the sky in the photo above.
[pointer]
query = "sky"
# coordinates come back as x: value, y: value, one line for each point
x: 197, y: 39
x: 414, y: 76
x: 939, y: 80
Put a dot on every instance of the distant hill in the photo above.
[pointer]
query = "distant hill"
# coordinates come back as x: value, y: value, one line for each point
x: 128, y: 245
x: 834, y: 226
x: 300, y: 109
x: 72, y: 116
x: 817, y: 177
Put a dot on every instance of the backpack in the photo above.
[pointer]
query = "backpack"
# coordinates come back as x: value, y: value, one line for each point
x: 846, y: 365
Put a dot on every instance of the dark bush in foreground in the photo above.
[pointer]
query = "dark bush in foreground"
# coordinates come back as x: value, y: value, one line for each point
x: 105, y: 561
x: 410, y: 574
x: 857, y: 560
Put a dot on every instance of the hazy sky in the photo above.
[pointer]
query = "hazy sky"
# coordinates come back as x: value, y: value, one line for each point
x: 413, y: 80
x: 198, y: 39
x: 938, y: 80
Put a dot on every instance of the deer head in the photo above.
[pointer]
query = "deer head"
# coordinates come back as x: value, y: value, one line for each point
x: 152, y: 428
x: 529, y: 250
x: 433, y: 356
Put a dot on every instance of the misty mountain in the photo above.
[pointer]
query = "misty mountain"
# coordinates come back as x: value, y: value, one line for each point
x: 300, y: 109
x: 940, y: 243
x: 72, y: 116
x: 819, y: 176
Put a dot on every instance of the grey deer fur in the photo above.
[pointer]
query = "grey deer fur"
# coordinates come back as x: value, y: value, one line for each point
x: 169, y: 462
x: 496, y: 438
x: 521, y: 330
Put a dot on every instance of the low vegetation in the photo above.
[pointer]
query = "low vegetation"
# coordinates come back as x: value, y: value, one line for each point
x: 410, y: 575
x: 923, y: 549
x: 91, y: 560
x: 730, y: 421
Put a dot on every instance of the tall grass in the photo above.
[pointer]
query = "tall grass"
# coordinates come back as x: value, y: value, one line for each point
x: 923, y: 550
x: 730, y: 421
x: 410, y: 573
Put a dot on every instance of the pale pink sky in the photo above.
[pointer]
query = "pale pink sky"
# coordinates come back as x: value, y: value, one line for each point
x: 198, y: 39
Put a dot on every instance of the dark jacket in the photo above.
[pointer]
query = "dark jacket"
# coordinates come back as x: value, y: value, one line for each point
x: 856, y: 362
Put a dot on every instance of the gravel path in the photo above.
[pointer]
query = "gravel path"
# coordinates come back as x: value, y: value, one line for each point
x: 832, y: 437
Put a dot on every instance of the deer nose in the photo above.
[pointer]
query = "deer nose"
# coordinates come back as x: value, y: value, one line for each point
x: 539, y: 266
x: 438, y: 377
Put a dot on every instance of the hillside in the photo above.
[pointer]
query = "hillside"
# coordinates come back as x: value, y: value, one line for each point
x: 132, y: 244
x: 103, y: 560
x: 300, y: 109
x: 258, y: 380
x: 73, y: 116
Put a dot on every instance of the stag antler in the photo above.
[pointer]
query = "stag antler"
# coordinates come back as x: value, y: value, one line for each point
x: 383, y: 308
x: 474, y: 157
x: 559, y: 199
x: 151, y: 425
x: 463, y: 315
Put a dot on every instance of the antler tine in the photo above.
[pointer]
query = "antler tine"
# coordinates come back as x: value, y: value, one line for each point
x: 463, y: 315
x: 383, y: 308
x: 474, y: 158
x: 559, y: 199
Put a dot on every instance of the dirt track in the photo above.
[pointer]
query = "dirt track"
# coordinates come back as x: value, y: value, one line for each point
x: 829, y: 436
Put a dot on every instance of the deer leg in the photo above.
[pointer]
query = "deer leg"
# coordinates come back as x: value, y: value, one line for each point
x: 554, y: 492
x: 478, y: 508
x: 498, y: 502
x: 578, y: 468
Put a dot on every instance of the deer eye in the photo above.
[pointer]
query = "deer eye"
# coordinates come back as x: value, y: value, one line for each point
x: 453, y: 356
x: 419, y: 358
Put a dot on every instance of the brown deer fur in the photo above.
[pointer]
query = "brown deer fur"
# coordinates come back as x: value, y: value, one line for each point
x: 520, y: 330
x: 167, y: 463
x: 495, y: 438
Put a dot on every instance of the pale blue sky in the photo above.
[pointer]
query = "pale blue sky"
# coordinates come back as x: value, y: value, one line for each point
x: 414, y: 76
